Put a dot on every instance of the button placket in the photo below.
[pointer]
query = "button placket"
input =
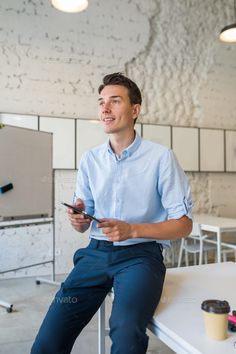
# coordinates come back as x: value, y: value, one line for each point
x: 118, y: 189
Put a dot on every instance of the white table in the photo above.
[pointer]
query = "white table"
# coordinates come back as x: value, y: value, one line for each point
x: 218, y: 225
x: 178, y: 320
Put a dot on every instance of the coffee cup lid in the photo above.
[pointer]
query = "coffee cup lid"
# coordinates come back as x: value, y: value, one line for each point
x: 215, y: 306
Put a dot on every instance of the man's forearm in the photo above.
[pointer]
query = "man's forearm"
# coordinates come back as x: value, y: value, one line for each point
x: 165, y: 230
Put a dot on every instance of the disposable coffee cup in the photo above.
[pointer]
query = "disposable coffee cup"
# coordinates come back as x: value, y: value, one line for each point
x: 215, y: 314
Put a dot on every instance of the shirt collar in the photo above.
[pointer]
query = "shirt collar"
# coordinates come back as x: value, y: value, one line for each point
x: 130, y: 149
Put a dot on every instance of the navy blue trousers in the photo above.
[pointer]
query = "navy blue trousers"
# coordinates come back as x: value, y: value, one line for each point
x: 136, y: 273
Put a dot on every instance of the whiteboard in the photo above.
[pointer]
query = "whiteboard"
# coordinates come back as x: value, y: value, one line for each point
x: 63, y: 130
x: 158, y: 134
x: 26, y: 162
x: 211, y: 150
x: 185, y: 146
x: 19, y: 120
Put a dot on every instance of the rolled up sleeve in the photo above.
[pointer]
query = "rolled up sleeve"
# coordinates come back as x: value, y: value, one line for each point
x: 173, y: 187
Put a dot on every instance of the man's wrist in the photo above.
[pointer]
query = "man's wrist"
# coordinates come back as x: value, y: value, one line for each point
x: 82, y: 228
x: 134, y: 230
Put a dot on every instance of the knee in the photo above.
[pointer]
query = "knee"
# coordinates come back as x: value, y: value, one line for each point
x: 130, y: 326
x: 40, y: 346
x: 128, y: 336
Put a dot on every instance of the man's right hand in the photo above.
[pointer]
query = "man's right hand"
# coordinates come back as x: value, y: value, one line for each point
x: 79, y: 221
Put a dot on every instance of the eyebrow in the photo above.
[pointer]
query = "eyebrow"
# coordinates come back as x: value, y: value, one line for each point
x: 101, y: 98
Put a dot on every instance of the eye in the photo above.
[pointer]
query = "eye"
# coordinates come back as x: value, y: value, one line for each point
x: 115, y: 101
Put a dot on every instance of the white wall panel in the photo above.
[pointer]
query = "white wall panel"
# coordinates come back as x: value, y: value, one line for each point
x: 185, y: 146
x: 158, y: 134
x: 230, y: 150
x: 211, y: 150
x: 63, y: 140
x: 89, y: 133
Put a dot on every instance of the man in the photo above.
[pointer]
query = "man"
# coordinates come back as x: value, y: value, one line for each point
x: 142, y: 198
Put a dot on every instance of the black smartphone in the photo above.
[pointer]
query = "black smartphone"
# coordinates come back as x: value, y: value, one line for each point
x: 79, y: 211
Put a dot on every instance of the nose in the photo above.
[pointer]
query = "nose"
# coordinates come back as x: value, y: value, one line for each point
x: 106, y: 107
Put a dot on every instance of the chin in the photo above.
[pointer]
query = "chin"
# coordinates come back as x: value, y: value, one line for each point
x: 109, y: 130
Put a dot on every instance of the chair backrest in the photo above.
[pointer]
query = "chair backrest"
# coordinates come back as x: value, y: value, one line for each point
x: 196, y: 244
x: 196, y: 231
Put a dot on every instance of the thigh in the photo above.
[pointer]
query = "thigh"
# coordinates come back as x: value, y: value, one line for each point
x: 68, y: 314
x: 138, y: 287
x: 74, y: 305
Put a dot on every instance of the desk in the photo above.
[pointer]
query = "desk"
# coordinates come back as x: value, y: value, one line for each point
x: 178, y: 320
x: 218, y: 225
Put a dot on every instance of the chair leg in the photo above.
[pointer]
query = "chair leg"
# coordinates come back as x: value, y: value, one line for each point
x: 224, y: 256
x: 205, y: 257
x: 186, y: 258
x: 181, y: 253
x: 200, y: 258
x: 173, y: 257
x: 180, y: 257
x: 194, y: 255
x: 101, y: 329
x: 194, y: 258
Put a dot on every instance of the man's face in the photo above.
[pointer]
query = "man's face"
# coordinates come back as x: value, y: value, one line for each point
x: 115, y: 110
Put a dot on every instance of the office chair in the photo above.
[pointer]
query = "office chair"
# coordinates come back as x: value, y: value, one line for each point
x: 195, y: 244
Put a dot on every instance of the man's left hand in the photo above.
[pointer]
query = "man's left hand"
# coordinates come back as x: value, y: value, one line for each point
x: 115, y: 230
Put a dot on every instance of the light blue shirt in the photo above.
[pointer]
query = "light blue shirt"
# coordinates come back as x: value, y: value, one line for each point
x: 145, y: 185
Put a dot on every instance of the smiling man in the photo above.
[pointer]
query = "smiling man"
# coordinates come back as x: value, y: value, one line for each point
x: 141, y: 196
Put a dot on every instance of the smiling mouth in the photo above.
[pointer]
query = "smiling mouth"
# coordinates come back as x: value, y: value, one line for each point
x: 108, y: 119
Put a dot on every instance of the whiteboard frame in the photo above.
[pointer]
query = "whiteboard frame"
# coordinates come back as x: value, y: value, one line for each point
x: 20, y: 120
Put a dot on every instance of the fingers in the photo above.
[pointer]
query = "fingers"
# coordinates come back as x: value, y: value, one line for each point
x: 78, y: 224
x: 77, y: 219
x: 106, y: 226
x: 115, y: 230
x: 80, y: 203
x: 106, y: 223
x: 110, y: 227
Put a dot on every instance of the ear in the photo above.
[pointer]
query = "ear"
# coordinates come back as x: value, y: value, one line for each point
x: 136, y: 110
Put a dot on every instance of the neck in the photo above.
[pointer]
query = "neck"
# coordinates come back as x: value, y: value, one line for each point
x: 119, y: 142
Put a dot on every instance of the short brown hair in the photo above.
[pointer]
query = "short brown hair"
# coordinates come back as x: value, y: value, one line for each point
x: 121, y: 80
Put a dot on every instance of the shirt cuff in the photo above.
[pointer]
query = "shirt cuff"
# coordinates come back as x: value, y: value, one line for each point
x: 181, y: 209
